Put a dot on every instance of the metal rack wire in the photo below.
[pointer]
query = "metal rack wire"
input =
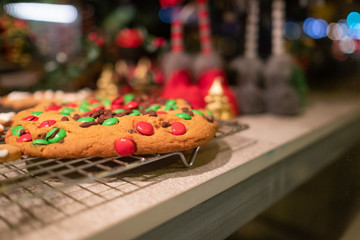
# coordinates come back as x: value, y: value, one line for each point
x: 35, y: 192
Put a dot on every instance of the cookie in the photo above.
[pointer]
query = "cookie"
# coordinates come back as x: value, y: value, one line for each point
x: 9, y: 153
x: 21, y: 99
x: 1, y: 129
x: 124, y: 126
x: 6, y: 118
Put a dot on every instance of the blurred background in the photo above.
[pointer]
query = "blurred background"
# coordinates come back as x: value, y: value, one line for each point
x: 69, y: 45
x: 65, y: 44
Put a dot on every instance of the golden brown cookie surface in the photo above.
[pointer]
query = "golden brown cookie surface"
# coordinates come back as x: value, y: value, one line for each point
x: 91, y: 128
x: 9, y: 153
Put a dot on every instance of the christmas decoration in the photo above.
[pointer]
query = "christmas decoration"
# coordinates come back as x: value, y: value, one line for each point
x: 217, y: 102
x: 177, y: 64
x: 280, y: 97
x: 106, y: 86
x: 249, y: 67
x: 208, y: 65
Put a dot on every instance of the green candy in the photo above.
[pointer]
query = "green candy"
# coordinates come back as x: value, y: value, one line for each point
x: 36, y: 113
x: 40, y: 142
x: 197, y: 112
x: 16, y: 131
x: 97, y: 104
x: 184, y: 116
x: 58, y: 137
x: 118, y: 110
x: 209, y: 113
x: 84, y: 104
x: 167, y: 108
x: 84, y: 109
x: 135, y: 113
x: 110, y: 121
x: 128, y: 97
x: 67, y: 111
x: 64, y: 103
x: 86, y: 119
x: 153, y: 107
x: 106, y: 102
x: 170, y: 102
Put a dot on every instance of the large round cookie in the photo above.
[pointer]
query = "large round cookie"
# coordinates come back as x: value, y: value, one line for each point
x: 102, y: 128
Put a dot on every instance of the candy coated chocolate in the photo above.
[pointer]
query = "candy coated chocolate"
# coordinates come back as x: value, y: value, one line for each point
x: 144, y: 128
x: 47, y: 123
x: 178, y: 128
x: 124, y: 146
x: 25, y: 138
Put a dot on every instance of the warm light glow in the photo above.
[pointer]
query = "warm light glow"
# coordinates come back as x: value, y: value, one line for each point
x: 347, y: 45
x: 42, y: 12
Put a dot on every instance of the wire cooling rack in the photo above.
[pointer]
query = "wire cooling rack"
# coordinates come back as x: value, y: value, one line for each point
x: 35, y: 191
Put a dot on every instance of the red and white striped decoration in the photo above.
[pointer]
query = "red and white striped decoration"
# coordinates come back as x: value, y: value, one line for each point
x: 278, y: 15
x: 177, y: 44
x: 252, y: 29
x: 204, y: 27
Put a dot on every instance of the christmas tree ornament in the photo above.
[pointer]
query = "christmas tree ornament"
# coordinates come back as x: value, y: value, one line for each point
x: 208, y: 66
x: 217, y: 102
x: 249, y: 67
x: 105, y: 84
x: 280, y: 96
x: 177, y: 64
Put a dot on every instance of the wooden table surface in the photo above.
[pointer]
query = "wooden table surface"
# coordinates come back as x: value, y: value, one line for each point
x: 233, y: 179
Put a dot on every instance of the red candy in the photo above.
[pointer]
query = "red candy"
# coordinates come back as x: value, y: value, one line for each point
x: 115, y: 106
x: 178, y: 128
x: 117, y: 101
x: 71, y: 105
x: 161, y: 112
x: 24, y: 138
x: 124, y: 146
x: 93, y: 101
x: 131, y: 105
x: 47, y: 123
x: 53, y: 107
x: 31, y: 118
x: 97, y: 108
x: 144, y: 128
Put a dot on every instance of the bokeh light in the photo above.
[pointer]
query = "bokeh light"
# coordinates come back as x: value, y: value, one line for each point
x: 42, y: 12
x: 347, y: 45
x: 315, y: 28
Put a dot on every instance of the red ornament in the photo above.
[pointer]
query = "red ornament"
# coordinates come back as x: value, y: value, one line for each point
x: 53, y: 107
x: 124, y: 146
x: 144, y: 128
x: 178, y: 128
x: 47, y: 123
x: 24, y: 138
x: 30, y: 118
x: 129, y: 38
x: 131, y: 105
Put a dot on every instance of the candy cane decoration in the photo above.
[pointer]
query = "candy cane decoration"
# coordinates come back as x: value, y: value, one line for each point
x: 204, y: 27
x: 252, y: 30
x: 278, y: 12
x: 177, y: 43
